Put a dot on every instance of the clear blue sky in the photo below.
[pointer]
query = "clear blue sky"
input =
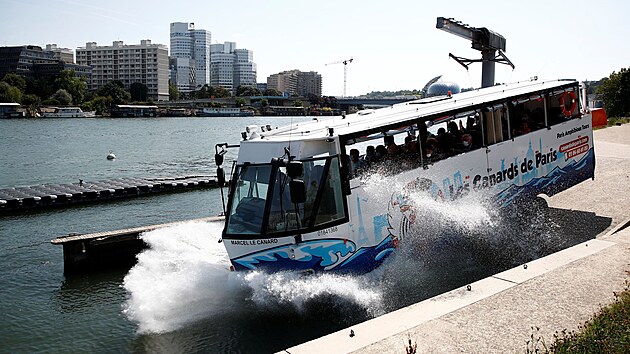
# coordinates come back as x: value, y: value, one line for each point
x: 394, y: 44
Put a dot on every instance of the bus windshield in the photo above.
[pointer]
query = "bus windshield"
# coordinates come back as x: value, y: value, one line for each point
x: 261, y: 199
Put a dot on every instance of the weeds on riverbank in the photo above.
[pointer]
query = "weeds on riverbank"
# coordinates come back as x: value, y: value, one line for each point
x: 616, y: 121
x: 607, y: 332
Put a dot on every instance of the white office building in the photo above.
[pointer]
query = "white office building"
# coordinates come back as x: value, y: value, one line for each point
x: 144, y: 63
x: 193, y: 47
x: 231, y: 67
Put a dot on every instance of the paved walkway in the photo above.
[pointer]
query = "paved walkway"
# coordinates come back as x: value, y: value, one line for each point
x: 560, y: 291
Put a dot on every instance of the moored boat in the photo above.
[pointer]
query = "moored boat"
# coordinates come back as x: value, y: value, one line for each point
x: 68, y: 112
x: 224, y: 112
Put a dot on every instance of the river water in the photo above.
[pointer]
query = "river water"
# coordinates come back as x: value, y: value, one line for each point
x: 180, y: 296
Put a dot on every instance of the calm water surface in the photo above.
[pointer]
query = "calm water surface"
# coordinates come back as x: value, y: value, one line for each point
x: 180, y: 296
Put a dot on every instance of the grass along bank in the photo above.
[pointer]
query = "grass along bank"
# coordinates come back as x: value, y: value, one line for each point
x: 607, y: 332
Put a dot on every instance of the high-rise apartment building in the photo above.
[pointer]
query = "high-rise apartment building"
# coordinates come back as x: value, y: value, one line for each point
x: 309, y: 83
x: 190, y: 56
x: 295, y: 82
x: 145, y: 63
x: 231, y: 67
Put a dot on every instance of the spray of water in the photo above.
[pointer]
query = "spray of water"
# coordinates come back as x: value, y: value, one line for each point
x: 180, y: 278
x: 183, y: 278
x: 285, y: 288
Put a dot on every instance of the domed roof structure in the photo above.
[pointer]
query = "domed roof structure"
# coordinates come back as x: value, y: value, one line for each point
x: 441, y: 88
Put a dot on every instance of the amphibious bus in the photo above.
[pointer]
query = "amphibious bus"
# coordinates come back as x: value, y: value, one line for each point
x: 298, y: 196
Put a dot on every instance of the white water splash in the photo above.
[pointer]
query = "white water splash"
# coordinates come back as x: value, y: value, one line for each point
x: 180, y: 278
x: 183, y: 277
x: 282, y: 288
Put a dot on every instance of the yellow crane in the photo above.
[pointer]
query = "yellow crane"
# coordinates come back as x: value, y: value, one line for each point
x: 345, y: 72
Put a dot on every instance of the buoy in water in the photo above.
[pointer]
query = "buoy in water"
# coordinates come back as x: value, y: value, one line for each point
x: 111, y: 156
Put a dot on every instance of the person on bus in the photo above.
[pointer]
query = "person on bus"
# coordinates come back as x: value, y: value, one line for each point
x: 467, y: 142
x: 370, y: 155
x: 454, y: 130
x: 380, y: 152
x: 523, y: 128
x: 357, y: 165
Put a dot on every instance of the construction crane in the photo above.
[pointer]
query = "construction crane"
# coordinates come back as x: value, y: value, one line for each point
x: 345, y: 72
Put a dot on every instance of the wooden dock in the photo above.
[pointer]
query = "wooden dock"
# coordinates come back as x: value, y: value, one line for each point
x: 60, y: 195
x: 118, y: 248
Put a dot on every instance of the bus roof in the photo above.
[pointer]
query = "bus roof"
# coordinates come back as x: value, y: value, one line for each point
x: 431, y: 108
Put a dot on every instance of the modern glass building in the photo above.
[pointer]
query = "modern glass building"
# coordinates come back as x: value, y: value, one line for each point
x: 190, y: 56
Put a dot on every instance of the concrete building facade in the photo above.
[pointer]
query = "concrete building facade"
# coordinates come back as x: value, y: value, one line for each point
x: 145, y: 63
x: 295, y: 82
x: 309, y: 83
x: 64, y: 54
x: 190, y: 56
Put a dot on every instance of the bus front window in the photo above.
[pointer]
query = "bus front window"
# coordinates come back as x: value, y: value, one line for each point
x: 324, y: 198
x: 248, y: 199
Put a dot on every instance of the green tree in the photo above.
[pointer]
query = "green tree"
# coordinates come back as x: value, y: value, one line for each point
x: 240, y: 101
x: 32, y: 103
x: 16, y: 81
x: 264, y: 102
x: 272, y: 92
x: 100, y: 104
x: 40, y: 87
x: 62, y: 97
x: 138, y: 91
x: 247, y: 91
x: 9, y: 94
x: 173, y: 91
x: 71, y: 83
x: 220, y: 92
x: 298, y: 103
x: 116, y: 91
x: 615, y: 92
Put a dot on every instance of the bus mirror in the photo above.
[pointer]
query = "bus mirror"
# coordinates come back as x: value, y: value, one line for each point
x: 220, y: 176
x: 295, y: 169
x: 218, y: 158
x: 298, y: 191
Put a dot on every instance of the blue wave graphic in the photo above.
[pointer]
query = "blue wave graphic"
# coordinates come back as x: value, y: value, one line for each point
x: 319, y: 255
x: 555, y: 181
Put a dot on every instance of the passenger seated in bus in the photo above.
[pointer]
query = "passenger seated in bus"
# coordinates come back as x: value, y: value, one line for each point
x: 357, y: 165
x: 472, y: 128
x: 432, y: 151
x: 411, y: 147
x: 523, y: 128
x: 392, y: 151
x: 454, y: 130
x: 466, y: 143
x: 446, y: 142
x: 370, y: 155
x: 537, y: 119
x: 380, y: 152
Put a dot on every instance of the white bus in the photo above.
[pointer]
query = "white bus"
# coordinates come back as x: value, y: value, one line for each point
x: 298, y: 201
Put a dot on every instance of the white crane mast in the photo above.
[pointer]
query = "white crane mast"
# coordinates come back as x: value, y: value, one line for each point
x: 345, y: 72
